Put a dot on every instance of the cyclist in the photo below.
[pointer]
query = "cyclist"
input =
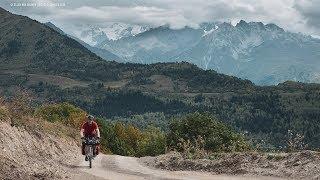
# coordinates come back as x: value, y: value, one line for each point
x: 90, y: 129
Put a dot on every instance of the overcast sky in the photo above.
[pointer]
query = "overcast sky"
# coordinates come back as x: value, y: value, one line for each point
x: 293, y: 15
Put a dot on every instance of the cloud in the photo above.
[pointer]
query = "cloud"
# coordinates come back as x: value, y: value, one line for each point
x: 134, y: 15
x: 309, y: 9
x: 293, y: 15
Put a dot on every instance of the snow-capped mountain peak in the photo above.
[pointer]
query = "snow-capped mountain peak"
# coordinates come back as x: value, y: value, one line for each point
x: 92, y: 35
x: 95, y: 34
x: 119, y: 30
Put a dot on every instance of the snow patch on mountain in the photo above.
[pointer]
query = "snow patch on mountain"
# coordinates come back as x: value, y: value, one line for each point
x: 210, y: 31
x: 119, y: 30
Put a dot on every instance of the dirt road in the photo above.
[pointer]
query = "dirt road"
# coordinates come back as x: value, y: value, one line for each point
x: 113, y: 167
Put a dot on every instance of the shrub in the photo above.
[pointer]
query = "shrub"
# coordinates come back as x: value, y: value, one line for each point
x: 20, y: 105
x: 106, y: 133
x: 295, y: 141
x: 128, y: 140
x: 4, y: 113
x: 64, y: 112
x: 153, y: 142
x: 193, y: 149
x: 217, y: 136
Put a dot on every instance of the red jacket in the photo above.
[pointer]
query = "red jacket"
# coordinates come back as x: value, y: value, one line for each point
x: 90, y: 130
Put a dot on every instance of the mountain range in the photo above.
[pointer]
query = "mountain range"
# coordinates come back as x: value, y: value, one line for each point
x: 263, y: 53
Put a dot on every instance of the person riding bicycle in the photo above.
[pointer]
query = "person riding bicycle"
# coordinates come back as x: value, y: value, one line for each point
x: 90, y: 129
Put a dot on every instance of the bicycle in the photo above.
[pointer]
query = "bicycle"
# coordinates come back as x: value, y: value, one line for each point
x: 90, y: 145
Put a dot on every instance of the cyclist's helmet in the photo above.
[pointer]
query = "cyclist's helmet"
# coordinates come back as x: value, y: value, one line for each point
x: 90, y: 117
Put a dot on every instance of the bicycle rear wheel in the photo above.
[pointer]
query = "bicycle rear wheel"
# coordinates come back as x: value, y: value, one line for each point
x: 90, y: 156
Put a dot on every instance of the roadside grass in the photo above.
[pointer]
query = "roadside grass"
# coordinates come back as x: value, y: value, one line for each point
x: 4, y: 114
x: 275, y: 156
x: 64, y: 113
x: 57, y: 119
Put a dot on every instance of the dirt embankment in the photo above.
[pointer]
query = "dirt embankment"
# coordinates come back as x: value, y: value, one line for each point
x: 299, y: 165
x: 33, y: 154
